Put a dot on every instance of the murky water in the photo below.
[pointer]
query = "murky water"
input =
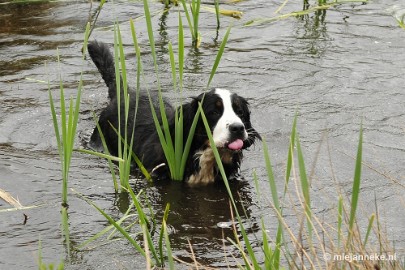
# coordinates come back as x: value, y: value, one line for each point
x: 336, y: 69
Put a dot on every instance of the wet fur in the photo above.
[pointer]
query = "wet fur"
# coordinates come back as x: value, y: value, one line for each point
x: 201, y: 166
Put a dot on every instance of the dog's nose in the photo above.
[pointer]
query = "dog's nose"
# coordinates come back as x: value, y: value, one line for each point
x: 236, y: 129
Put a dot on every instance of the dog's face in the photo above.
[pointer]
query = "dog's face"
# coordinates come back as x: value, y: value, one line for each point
x: 229, y: 118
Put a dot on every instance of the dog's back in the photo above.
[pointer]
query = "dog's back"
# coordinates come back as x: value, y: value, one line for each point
x: 146, y: 143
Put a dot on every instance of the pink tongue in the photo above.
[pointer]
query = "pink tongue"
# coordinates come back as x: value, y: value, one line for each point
x: 236, y: 145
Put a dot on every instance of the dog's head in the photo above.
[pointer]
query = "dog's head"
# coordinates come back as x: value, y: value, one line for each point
x: 228, y: 116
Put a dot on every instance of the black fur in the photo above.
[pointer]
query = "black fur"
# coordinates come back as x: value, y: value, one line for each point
x: 146, y: 142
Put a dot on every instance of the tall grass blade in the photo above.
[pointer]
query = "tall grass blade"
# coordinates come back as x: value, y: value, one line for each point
x: 181, y: 53
x: 274, y: 194
x: 105, y: 147
x: 118, y: 89
x: 196, y: 15
x: 64, y: 147
x: 304, y: 186
x: 150, y: 33
x: 369, y: 227
x: 122, y: 93
x: 143, y: 221
x: 138, y: 89
x: 117, y: 226
x: 356, y: 186
x: 248, y: 245
x: 178, y: 136
x: 187, y: 144
x: 268, y: 252
x: 164, y: 136
x: 339, y: 221
x: 190, y: 23
x: 101, y: 155
x: 65, y: 137
x: 55, y: 121
x: 173, y: 66
x: 108, y: 228
x: 189, y: 140
x: 133, y: 155
x: 162, y: 232
x: 270, y: 175
x: 168, y: 247
x: 290, y: 153
x: 138, y: 61
x: 218, y: 57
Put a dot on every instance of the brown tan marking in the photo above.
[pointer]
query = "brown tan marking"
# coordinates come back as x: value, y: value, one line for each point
x: 207, y: 163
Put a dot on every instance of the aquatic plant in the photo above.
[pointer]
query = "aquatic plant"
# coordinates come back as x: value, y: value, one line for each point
x: 154, y: 253
x: 193, y: 20
x: 316, y: 246
x: 307, y: 9
x: 175, y: 149
x: 65, y: 133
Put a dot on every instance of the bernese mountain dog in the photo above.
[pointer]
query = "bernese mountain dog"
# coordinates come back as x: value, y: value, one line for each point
x: 227, y: 113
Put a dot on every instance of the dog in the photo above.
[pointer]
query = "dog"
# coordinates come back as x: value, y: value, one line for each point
x: 227, y: 114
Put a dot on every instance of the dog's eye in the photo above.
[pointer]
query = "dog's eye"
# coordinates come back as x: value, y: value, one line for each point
x: 215, y: 113
x: 239, y: 112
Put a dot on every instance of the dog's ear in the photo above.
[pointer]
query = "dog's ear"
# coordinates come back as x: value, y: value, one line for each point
x: 252, y: 136
x: 199, y: 98
x: 252, y: 133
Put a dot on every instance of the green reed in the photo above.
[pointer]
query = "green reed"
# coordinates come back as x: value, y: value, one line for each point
x: 154, y: 253
x: 306, y: 245
x: 193, y: 16
x: 307, y: 9
x: 65, y: 133
x: 355, y: 188
x: 125, y: 148
x: 126, y: 137
x: 175, y: 149
x: 176, y: 152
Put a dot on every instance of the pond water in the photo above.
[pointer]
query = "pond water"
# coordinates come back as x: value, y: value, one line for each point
x: 336, y: 69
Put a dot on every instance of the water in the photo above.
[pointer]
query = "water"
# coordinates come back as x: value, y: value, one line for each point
x: 336, y: 70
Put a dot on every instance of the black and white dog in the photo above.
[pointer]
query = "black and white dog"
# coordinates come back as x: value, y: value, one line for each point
x: 228, y: 116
